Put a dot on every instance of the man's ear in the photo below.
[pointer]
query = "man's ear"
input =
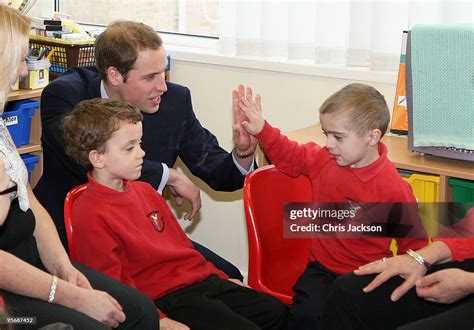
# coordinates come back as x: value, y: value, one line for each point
x: 374, y: 136
x: 96, y: 158
x: 114, y: 77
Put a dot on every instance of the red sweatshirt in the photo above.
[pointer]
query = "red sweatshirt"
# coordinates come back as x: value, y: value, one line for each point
x: 134, y: 237
x: 461, y: 248
x: 376, y: 182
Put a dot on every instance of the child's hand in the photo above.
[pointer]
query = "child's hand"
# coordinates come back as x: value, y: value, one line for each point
x: 252, y: 109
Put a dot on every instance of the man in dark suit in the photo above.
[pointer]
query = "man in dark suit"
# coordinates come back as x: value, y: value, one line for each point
x: 131, y: 63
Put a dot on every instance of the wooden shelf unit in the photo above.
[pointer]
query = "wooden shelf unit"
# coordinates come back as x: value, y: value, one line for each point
x: 399, y: 154
x: 34, y: 146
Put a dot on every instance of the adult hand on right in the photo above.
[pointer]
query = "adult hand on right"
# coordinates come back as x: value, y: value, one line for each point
x: 446, y: 286
x: 402, y: 265
x: 181, y: 187
x: 170, y: 324
x: 100, y: 306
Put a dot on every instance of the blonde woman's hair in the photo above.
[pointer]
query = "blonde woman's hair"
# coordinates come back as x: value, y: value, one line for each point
x: 14, y: 32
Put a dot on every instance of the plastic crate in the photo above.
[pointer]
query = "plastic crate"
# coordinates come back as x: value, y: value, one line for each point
x: 426, y: 190
x: 463, y: 192
x: 425, y: 187
x: 30, y: 161
x: 66, y: 55
x: 17, y: 118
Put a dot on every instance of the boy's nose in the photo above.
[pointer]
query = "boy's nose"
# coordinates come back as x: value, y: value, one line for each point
x: 329, y: 142
x: 141, y: 154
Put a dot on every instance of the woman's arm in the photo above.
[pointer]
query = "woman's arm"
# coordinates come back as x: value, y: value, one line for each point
x: 51, y: 251
x: 21, y: 278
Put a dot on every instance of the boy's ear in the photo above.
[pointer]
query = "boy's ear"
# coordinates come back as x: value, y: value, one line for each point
x: 96, y: 158
x: 374, y: 136
x: 114, y: 77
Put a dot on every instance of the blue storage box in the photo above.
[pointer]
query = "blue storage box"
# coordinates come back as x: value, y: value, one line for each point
x: 30, y: 161
x: 17, y: 118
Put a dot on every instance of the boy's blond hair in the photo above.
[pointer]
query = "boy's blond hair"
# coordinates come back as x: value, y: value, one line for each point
x: 363, y: 104
x: 91, y: 124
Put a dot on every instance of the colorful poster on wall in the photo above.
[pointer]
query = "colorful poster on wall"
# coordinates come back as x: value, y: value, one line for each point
x: 400, y: 115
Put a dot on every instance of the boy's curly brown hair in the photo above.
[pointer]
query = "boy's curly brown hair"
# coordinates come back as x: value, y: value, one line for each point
x: 91, y: 124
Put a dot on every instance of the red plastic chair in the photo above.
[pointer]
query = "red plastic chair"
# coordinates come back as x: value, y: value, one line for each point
x: 275, y: 263
x: 71, y: 197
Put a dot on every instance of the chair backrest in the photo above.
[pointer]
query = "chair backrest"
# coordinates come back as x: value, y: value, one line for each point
x: 275, y: 262
x: 71, y: 197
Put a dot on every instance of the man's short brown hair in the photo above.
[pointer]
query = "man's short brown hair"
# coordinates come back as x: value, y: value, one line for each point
x: 91, y: 124
x: 365, y: 106
x: 120, y: 43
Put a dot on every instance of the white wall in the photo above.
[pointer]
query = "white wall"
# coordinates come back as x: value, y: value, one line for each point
x: 290, y: 102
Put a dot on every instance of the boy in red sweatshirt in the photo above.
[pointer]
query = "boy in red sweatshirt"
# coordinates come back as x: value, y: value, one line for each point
x: 125, y: 229
x: 352, y: 167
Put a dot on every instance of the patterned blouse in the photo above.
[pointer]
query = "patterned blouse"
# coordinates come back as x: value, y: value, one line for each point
x: 14, y: 166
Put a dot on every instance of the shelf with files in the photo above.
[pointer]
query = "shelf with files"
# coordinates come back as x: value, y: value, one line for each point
x: 34, y: 146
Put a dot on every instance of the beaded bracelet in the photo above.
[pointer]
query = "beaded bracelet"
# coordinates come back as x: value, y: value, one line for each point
x: 422, y: 261
x: 52, y: 292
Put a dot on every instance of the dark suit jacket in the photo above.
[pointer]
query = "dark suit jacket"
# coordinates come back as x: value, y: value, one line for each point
x: 171, y: 132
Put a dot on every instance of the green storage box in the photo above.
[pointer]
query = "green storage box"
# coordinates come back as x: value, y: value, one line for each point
x: 463, y: 192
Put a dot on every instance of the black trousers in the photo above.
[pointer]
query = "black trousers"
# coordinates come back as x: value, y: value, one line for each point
x: 218, y: 261
x: 348, y: 307
x: 220, y: 304
x: 311, y: 291
x: 140, y: 311
x: 457, y: 317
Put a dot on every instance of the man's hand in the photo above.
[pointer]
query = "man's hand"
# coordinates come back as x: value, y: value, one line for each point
x: 402, y: 265
x: 170, y: 324
x: 243, y: 141
x: 445, y: 286
x: 181, y: 187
